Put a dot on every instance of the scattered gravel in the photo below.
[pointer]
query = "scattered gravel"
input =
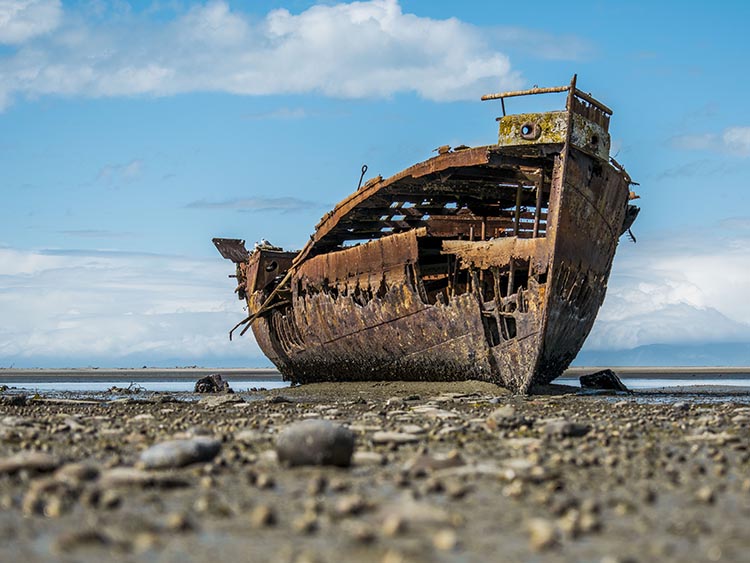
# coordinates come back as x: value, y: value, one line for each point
x: 441, y: 472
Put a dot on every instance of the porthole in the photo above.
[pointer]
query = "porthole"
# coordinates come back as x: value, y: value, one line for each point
x: 530, y: 131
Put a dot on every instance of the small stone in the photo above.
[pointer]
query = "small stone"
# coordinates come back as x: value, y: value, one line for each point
x: 605, y: 379
x: 542, y: 534
x: 248, y: 436
x: 565, y: 429
x: 178, y: 522
x: 213, y: 504
x: 368, y: 458
x: 213, y: 383
x: 362, y: 532
x: 395, y: 403
x: 445, y: 540
x: 317, y: 485
x: 130, y: 476
x: 29, y: 461
x: 351, y: 505
x: 384, y: 437
x: 315, y: 442
x: 680, y: 406
x: 109, y: 500
x: 499, y: 415
x: 306, y: 524
x: 179, y: 453
x: 456, y: 490
x: 262, y: 516
x: 77, y: 472
x: 426, y: 463
x: 706, y: 494
x: 278, y: 399
x: 393, y: 525
x: 213, y: 401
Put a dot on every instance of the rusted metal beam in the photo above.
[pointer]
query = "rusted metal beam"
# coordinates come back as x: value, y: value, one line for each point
x: 529, y: 92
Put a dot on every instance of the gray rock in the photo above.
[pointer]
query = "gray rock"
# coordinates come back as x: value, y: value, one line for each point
x: 565, y: 429
x: 179, y: 453
x: 219, y: 400
x: 32, y: 461
x: 213, y: 383
x: 132, y: 477
x: 315, y: 442
x: 385, y: 437
x: 605, y: 379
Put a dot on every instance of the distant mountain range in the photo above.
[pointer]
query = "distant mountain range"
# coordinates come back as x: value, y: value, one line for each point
x: 705, y: 354
x: 656, y: 355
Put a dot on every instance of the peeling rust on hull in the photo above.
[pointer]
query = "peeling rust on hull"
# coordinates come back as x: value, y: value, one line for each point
x: 484, y: 263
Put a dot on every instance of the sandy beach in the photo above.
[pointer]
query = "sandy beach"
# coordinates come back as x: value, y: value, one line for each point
x: 440, y: 472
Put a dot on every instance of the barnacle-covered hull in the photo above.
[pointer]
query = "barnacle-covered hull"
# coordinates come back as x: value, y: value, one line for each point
x: 482, y: 263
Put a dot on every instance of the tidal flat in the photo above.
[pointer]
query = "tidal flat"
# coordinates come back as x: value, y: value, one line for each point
x: 459, y: 471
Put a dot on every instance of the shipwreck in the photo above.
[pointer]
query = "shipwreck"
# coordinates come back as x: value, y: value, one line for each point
x: 485, y: 263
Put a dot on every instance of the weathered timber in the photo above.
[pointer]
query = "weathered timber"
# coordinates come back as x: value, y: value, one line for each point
x: 484, y: 263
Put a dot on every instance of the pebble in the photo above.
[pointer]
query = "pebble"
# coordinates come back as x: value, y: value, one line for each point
x: 361, y: 532
x: 249, y: 436
x: 368, y: 458
x: 706, y: 494
x: 445, y: 540
x: 29, y: 461
x: 543, y: 534
x: 565, y: 429
x: 393, y: 525
x: 263, y: 516
x: 220, y: 400
x: 315, y: 442
x: 351, y: 505
x: 130, y: 476
x: 179, y: 453
x: 426, y: 463
x: 77, y: 472
x: 385, y: 437
x: 395, y: 403
x: 307, y: 523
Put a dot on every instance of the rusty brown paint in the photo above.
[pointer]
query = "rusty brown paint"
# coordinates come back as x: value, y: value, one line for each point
x: 394, y: 284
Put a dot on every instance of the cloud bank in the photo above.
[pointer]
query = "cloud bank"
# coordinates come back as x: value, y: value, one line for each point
x: 733, y: 140
x: 683, y: 288
x: 21, y: 20
x: 355, y: 50
x: 115, y: 308
x: 120, y: 309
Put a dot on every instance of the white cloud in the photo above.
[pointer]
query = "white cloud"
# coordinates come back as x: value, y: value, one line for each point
x: 356, y: 50
x: 283, y: 204
x: 127, y: 172
x: 21, y: 20
x: 106, y: 306
x: 737, y: 139
x: 734, y: 140
x: 679, y: 289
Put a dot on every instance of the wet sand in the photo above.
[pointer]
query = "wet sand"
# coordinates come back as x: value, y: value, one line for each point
x: 464, y: 472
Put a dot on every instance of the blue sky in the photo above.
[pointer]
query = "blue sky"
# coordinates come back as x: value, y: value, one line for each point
x: 133, y: 132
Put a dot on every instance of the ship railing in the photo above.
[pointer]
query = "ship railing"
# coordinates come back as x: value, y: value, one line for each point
x: 592, y: 108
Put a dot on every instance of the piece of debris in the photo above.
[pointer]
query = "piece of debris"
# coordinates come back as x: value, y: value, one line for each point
x: 213, y: 383
x: 605, y: 379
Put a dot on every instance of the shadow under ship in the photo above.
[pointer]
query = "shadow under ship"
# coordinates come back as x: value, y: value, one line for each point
x: 485, y: 263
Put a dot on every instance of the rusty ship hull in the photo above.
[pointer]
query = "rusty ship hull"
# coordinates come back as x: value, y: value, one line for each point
x: 485, y: 263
